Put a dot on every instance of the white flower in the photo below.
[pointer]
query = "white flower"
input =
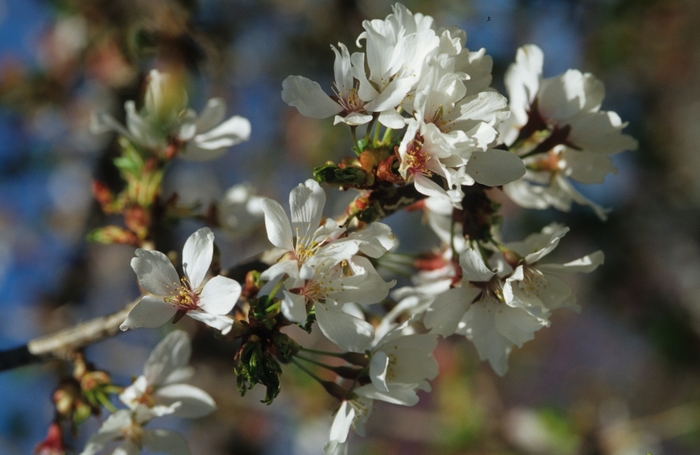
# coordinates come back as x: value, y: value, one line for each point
x: 536, y: 284
x: 127, y: 426
x: 397, y: 49
x: 240, y: 211
x: 207, y: 137
x: 311, y: 101
x: 499, y: 306
x: 172, y: 295
x: 558, y: 128
x: 401, y: 362
x: 161, y: 385
x: 165, y: 120
x: 353, y: 413
x: 332, y: 286
x: 477, y: 311
x: 304, y: 239
x: 305, y: 242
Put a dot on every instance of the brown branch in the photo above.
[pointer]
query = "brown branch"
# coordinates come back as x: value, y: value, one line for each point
x: 63, y: 344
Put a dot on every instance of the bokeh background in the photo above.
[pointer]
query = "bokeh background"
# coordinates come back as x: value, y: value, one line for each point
x: 620, y: 378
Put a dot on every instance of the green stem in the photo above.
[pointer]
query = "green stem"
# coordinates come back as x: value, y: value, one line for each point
x: 315, y: 362
x: 355, y: 143
x: 277, y: 287
x: 328, y: 353
x: 387, y: 135
x: 369, y: 128
x: 309, y: 372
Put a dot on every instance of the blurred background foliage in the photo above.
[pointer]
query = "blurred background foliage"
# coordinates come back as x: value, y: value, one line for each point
x: 622, y: 377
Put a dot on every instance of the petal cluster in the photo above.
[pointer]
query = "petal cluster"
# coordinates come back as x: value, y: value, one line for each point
x: 324, y: 267
x: 415, y: 77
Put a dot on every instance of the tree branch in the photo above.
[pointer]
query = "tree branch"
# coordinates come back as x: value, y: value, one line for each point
x: 63, y: 344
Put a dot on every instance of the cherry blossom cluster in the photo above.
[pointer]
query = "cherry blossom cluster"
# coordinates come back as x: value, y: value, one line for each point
x: 428, y: 133
x: 158, y: 392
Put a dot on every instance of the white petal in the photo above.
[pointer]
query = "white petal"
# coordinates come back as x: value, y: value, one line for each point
x: 562, y: 97
x: 366, y: 287
x: 346, y: 331
x: 289, y: 267
x: 222, y: 323
x: 377, y: 239
x: 150, y: 312
x: 294, y: 307
x: 166, y: 441
x: 490, y: 343
x: 212, y: 114
x: 353, y: 119
x: 334, y: 447
x: 495, y: 167
x: 101, y: 122
x: 586, y: 167
x: 342, y: 422
x: 279, y: 231
x: 306, y: 204
x: 155, y: 272
x: 195, y: 402
x: 426, y: 186
x: 197, y: 255
x: 170, y: 355
x: 308, y: 97
x: 516, y: 324
x: 473, y: 266
x: 444, y: 314
x: 219, y: 295
x: 109, y: 431
x: 392, y: 95
x: 557, y: 294
x: 585, y: 264
x: 397, y: 394
x: 392, y: 119
x: 188, y: 126
x: 522, y: 81
x: 600, y: 132
x: 378, y: 368
x: 231, y: 132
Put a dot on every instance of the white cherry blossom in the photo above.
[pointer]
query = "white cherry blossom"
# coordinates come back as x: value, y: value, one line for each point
x: 165, y: 120
x: 533, y: 283
x: 127, y: 427
x: 304, y: 242
x: 171, y: 295
x: 401, y: 362
x: 353, y: 413
x: 332, y: 286
x: 311, y: 101
x: 161, y: 384
x: 558, y: 128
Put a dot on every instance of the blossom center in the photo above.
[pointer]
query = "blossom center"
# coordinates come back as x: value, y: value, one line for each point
x: 350, y: 101
x: 416, y: 159
x: 134, y: 433
x: 183, y: 296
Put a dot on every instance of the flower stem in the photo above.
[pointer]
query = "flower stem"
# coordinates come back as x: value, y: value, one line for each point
x: 309, y: 372
x: 355, y: 143
x: 328, y: 353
